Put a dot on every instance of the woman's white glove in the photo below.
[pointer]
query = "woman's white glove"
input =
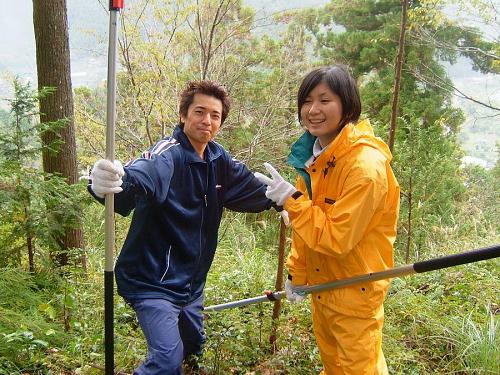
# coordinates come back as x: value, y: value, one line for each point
x: 291, y: 294
x: 106, y: 177
x: 278, y: 190
x: 285, y: 217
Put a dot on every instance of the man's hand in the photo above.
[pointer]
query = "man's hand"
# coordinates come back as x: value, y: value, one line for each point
x: 291, y: 294
x: 278, y: 190
x: 106, y: 177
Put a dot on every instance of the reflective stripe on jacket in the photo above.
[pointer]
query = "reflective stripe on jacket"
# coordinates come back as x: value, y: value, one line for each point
x: 344, y: 224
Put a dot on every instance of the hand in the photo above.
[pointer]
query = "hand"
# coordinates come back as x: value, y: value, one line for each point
x: 106, y: 177
x: 284, y: 216
x: 278, y: 190
x: 291, y: 294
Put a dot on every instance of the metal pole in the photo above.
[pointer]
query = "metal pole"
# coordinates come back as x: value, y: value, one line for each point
x: 109, y: 222
x: 418, y: 267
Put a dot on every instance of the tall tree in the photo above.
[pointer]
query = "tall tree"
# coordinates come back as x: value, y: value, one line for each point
x: 53, y: 68
x: 397, y: 79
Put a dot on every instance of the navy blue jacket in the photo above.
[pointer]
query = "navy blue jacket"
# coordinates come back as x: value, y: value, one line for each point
x: 178, y: 200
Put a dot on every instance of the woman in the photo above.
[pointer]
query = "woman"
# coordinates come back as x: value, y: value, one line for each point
x: 343, y: 210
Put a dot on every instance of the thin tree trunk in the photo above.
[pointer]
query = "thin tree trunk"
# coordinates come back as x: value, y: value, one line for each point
x: 410, y: 199
x: 29, y: 240
x: 409, y: 219
x: 53, y: 69
x: 398, y: 68
x: 278, y: 286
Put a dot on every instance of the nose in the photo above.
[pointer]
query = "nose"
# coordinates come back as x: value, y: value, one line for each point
x: 206, y: 118
x: 314, y: 108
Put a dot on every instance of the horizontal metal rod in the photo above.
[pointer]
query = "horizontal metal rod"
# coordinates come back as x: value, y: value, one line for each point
x: 245, y: 302
x: 418, y: 267
x: 375, y: 276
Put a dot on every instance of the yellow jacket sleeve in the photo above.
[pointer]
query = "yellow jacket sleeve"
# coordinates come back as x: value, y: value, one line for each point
x: 296, y: 262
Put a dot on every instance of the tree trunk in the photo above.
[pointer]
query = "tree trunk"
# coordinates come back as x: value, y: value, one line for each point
x: 409, y: 219
x: 29, y: 238
x: 53, y: 68
x: 397, y: 78
x: 278, y: 286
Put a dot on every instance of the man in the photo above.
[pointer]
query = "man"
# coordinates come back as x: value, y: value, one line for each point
x: 178, y: 190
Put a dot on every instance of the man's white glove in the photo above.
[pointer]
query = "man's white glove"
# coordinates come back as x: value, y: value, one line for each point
x: 106, y: 177
x: 291, y: 294
x: 278, y: 190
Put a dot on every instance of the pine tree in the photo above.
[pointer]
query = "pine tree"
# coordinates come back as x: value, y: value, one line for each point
x: 30, y: 198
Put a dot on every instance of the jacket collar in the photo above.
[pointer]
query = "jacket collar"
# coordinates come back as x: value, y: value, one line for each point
x: 352, y: 135
x: 212, y: 151
x: 301, y: 150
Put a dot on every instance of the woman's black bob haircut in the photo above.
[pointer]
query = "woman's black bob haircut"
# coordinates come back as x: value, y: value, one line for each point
x: 340, y: 81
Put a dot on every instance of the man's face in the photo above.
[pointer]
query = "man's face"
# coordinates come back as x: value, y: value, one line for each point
x: 203, y: 119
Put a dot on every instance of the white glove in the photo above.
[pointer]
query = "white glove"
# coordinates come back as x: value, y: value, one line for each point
x: 278, y: 190
x: 284, y: 216
x: 106, y: 177
x: 291, y: 294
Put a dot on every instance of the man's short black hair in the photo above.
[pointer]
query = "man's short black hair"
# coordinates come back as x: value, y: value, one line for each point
x: 207, y: 88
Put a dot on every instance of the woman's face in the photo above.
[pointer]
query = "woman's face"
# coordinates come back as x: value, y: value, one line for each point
x: 321, y: 113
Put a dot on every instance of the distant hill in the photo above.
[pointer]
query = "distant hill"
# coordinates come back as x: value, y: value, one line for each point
x: 88, y: 27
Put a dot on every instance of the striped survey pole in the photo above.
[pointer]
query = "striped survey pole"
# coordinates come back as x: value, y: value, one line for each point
x: 109, y: 220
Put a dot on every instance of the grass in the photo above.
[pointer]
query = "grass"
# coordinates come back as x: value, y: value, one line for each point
x: 477, y: 343
x: 436, y: 322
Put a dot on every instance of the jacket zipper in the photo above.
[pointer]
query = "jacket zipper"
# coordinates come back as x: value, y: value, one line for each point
x: 201, y: 227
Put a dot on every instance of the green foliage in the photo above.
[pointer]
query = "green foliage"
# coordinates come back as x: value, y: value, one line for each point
x: 245, y: 266
x: 456, y: 37
x: 437, y: 323
x: 431, y: 184
x: 26, y: 191
x: 26, y: 335
x: 431, y: 318
x: 90, y: 125
x: 178, y: 42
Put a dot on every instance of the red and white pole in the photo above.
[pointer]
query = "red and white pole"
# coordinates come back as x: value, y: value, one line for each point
x: 109, y: 223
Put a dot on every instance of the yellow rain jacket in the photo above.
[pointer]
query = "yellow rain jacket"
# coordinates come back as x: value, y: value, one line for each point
x: 344, y: 225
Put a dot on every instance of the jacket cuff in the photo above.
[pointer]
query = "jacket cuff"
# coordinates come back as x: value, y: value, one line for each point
x: 276, y: 207
x: 89, y: 189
